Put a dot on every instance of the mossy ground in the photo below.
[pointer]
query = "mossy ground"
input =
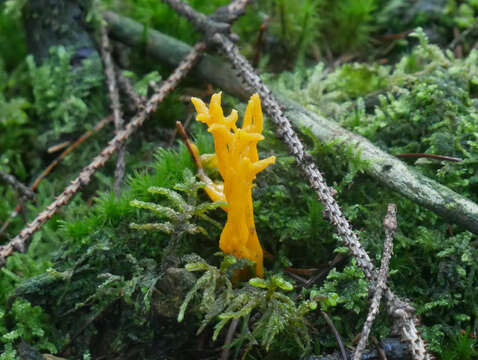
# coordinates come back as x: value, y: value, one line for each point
x: 90, y: 286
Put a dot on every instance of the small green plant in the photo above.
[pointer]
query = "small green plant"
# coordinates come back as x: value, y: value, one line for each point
x: 463, y: 12
x: 31, y: 325
x: 277, y: 313
x: 461, y: 347
x: 180, y: 212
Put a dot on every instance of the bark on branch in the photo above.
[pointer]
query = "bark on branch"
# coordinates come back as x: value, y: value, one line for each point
x: 384, y: 167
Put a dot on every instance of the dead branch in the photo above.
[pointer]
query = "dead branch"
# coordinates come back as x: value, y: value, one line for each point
x: 430, y: 156
x: 21, y: 241
x: 390, y: 225
x: 11, y: 180
x: 115, y: 104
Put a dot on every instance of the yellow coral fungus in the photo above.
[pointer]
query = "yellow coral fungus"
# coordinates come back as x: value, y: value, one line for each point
x: 238, y: 163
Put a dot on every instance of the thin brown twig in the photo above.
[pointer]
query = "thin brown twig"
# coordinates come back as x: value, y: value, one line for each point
x: 11, y: 180
x: 184, y: 135
x: 338, y: 258
x: 175, y: 132
x: 431, y: 156
x: 390, y: 226
x: 54, y: 163
x: 21, y: 241
x: 332, y: 327
x: 70, y: 148
x: 115, y: 104
x: 58, y: 147
x: 196, y: 157
x: 259, y: 44
x: 295, y: 276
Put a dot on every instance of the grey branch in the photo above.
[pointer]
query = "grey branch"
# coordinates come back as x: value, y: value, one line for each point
x: 21, y: 241
x: 384, y: 167
x: 390, y: 225
x: 11, y: 180
x: 115, y: 104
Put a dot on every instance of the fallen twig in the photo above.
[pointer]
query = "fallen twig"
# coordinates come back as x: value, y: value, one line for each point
x: 230, y: 333
x: 115, y: 104
x: 11, y: 180
x: 21, y: 241
x: 390, y: 225
x: 431, y: 156
x: 336, y: 334
x: 338, y: 258
x: 54, y: 163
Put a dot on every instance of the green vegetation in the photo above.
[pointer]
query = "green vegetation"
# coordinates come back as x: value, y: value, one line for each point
x: 111, y: 276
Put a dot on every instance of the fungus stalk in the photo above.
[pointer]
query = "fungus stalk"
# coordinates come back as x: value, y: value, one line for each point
x: 238, y: 163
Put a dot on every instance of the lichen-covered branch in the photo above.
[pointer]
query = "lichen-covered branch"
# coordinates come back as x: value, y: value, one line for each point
x: 21, y: 241
x: 390, y: 226
x: 384, y: 167
x: 115, y: 104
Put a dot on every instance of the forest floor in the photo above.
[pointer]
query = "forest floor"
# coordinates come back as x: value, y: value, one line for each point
x: 363, y: 187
